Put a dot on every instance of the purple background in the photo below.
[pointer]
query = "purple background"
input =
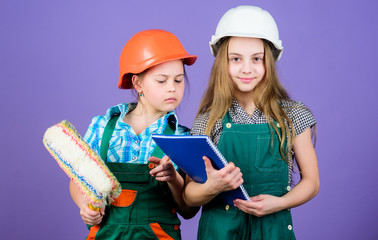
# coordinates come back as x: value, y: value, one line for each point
x: 59, y: 60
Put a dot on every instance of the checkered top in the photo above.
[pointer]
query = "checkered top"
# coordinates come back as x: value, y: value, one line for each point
x: 298, y: 113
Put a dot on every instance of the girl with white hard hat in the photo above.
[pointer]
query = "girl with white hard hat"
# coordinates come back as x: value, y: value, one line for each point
x: 258, y: 128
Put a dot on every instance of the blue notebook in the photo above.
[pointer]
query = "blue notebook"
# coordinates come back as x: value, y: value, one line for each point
x: 187, y: 152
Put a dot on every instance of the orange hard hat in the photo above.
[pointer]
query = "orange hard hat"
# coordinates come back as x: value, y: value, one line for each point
x: 149, y: 48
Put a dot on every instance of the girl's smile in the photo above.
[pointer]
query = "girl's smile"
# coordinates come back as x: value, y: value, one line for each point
x: 246, y: 80
x: 245, y: 63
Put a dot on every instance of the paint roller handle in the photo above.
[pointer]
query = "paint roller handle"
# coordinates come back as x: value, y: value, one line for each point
x: 93, y: 208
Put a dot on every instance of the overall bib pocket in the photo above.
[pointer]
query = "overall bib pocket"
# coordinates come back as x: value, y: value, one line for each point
x: 266, y: 149
x: 126, y: 198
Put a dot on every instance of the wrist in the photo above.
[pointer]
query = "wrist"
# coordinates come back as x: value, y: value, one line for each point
x: 211, y: 190
x: 283, y: 203
x: 176, y: 180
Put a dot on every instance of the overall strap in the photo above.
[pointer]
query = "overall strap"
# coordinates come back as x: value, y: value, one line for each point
x: 108, y: 132
x: 169, y: 130
x: 227, y: 118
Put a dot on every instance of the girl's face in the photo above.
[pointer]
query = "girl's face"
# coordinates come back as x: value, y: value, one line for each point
x: 245, y: 63
x: 162, y: 86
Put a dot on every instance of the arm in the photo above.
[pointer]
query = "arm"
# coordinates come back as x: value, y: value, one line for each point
x: 305, y: 190
x: 89, y: 216
x: 165, y: 172
x: 225, y: 179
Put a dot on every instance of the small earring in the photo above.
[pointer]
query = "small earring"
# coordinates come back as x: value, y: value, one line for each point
x: 141, y: 94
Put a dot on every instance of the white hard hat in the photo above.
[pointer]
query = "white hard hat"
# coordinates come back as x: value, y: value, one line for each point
x: 247, y: 21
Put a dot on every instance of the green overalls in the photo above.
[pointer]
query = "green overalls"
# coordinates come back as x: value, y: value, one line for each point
x: 145, y: 208
x: 251, y: 148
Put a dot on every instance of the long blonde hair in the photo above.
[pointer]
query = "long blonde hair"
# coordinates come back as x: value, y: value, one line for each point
x: 218, y: 96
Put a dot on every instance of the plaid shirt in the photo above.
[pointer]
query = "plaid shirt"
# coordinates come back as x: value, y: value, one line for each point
x: 125, y: 146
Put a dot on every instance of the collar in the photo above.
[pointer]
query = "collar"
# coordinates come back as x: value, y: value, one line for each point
x: 239, y: 116
x: 124, y: 108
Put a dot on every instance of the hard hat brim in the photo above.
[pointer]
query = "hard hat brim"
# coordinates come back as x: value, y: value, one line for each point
x: 214, y: 43
x: 127, y: 84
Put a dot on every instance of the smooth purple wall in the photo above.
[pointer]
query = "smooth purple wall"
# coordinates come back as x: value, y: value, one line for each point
x: 59, y: 60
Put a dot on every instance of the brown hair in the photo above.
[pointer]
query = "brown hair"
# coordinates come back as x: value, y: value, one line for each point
x: 218, y: 95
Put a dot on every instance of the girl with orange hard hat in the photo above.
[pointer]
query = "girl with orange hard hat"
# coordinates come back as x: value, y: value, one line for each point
x: 152, y: 63
x: 258, y: 128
